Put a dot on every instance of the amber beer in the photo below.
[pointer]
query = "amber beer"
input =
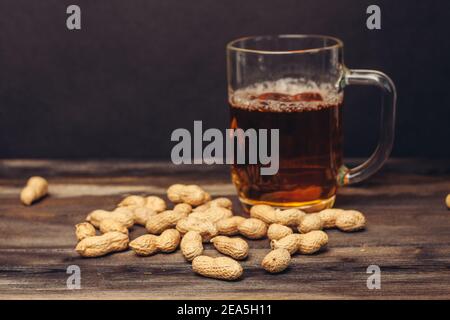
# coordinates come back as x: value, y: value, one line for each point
x: 295, y: 83
x: 310, y: 144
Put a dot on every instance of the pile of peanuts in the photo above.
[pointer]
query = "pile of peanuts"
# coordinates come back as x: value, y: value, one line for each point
x: 197, y: 219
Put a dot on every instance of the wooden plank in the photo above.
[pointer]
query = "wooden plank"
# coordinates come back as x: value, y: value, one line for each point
x: 408, y: 236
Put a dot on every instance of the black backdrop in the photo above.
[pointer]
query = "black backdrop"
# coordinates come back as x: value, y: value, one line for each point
x: 139, y: 69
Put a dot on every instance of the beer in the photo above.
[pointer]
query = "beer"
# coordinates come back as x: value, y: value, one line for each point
x: 294, y: 83
x: 309, y: 119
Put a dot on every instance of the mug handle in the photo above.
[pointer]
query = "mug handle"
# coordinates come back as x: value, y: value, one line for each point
x: 387, y: 127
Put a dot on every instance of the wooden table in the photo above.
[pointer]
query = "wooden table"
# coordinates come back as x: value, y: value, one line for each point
x: 408, y: 237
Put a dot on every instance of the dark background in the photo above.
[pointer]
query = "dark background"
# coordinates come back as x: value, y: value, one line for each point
x: 140, y: 69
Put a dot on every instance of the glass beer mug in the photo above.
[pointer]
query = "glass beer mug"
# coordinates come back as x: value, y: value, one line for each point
x: 294, y: 83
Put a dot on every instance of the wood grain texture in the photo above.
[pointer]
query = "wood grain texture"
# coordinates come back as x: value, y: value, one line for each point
x: 408, y: 236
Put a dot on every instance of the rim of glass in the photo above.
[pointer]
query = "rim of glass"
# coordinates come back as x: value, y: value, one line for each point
x: 337, y: 44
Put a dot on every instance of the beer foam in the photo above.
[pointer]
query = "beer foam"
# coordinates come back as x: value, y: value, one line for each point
x: 249, y: 98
